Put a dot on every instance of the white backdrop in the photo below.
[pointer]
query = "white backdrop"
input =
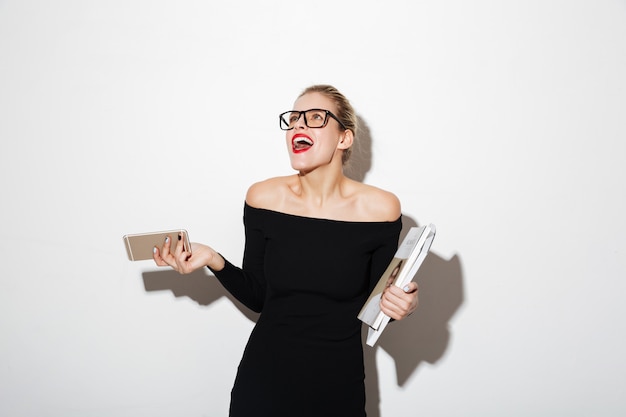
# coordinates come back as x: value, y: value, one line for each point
x: 502, y: 122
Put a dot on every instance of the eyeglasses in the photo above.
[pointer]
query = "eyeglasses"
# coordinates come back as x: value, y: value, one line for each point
x: 314, y: 118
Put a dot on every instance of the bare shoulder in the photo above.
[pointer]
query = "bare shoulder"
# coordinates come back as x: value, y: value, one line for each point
x: 377, y: 204
x: 269, y: 193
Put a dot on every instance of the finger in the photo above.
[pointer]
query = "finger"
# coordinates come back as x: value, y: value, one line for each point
x: 404, y: 292
x: 166, y: 254
x: 410, y: 294
x: 411, y: 287
x: 181, y: 256
x: 412, y: 291
x: 179, y: 246
x: 391, y: 310
x: 156, y: 255
x: 166, y: 250
x: 397, y: 303
x: 182, y: 263
x: 392, y: 305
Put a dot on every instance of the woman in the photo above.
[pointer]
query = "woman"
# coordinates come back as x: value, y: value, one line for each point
x: 316, y: 244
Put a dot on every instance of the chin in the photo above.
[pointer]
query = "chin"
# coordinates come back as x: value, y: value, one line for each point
x: 300, y: 167
x: 297, y: 163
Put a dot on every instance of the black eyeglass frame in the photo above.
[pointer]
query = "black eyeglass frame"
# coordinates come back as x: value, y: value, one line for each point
x: 301, y: 112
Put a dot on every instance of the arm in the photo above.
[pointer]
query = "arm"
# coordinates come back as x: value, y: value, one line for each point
x: 383, y: 255
x: 247, y: 284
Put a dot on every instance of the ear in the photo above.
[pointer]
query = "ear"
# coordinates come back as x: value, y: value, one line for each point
x: 346, y: 140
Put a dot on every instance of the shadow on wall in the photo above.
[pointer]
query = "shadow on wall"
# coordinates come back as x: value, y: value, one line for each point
x: 424, y: 336
x: 361, y: 159
x: 199, y: 286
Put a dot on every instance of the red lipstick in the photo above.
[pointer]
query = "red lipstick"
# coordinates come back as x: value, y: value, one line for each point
x: 301, y: 143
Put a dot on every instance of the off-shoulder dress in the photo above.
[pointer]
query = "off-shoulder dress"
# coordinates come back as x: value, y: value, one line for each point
x: 308, y: 277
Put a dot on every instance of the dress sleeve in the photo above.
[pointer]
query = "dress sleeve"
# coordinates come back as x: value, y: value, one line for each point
x: 247, y: 284
x: 385, y: 252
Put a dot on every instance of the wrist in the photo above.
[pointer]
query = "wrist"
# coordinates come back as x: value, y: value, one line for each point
x: 216, y: 262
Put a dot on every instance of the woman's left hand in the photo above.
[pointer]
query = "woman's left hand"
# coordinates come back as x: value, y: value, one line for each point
x: 397, y: 302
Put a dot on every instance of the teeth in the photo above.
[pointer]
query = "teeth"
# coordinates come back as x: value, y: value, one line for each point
x: 304, y: 141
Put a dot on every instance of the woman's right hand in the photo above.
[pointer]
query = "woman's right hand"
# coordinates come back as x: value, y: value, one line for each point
x: 185, y: 262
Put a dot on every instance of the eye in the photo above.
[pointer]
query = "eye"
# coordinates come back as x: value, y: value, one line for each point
x: 293, y: 117
x: 317, y: 116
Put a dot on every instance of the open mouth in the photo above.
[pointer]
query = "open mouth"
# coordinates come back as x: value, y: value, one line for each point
x: 301, y: 143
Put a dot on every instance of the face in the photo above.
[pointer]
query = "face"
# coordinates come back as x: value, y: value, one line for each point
x: 310, y: 148
x: 393, y: 275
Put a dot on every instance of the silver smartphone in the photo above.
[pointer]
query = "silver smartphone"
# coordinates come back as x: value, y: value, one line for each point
x: 139, y: 246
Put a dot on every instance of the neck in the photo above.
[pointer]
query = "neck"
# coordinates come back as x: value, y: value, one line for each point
x: 321, y: 185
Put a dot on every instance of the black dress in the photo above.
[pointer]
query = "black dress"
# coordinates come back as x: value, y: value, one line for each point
x: 309, y: 278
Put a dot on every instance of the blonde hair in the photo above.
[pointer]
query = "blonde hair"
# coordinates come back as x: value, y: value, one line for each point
x: 345, y: 112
